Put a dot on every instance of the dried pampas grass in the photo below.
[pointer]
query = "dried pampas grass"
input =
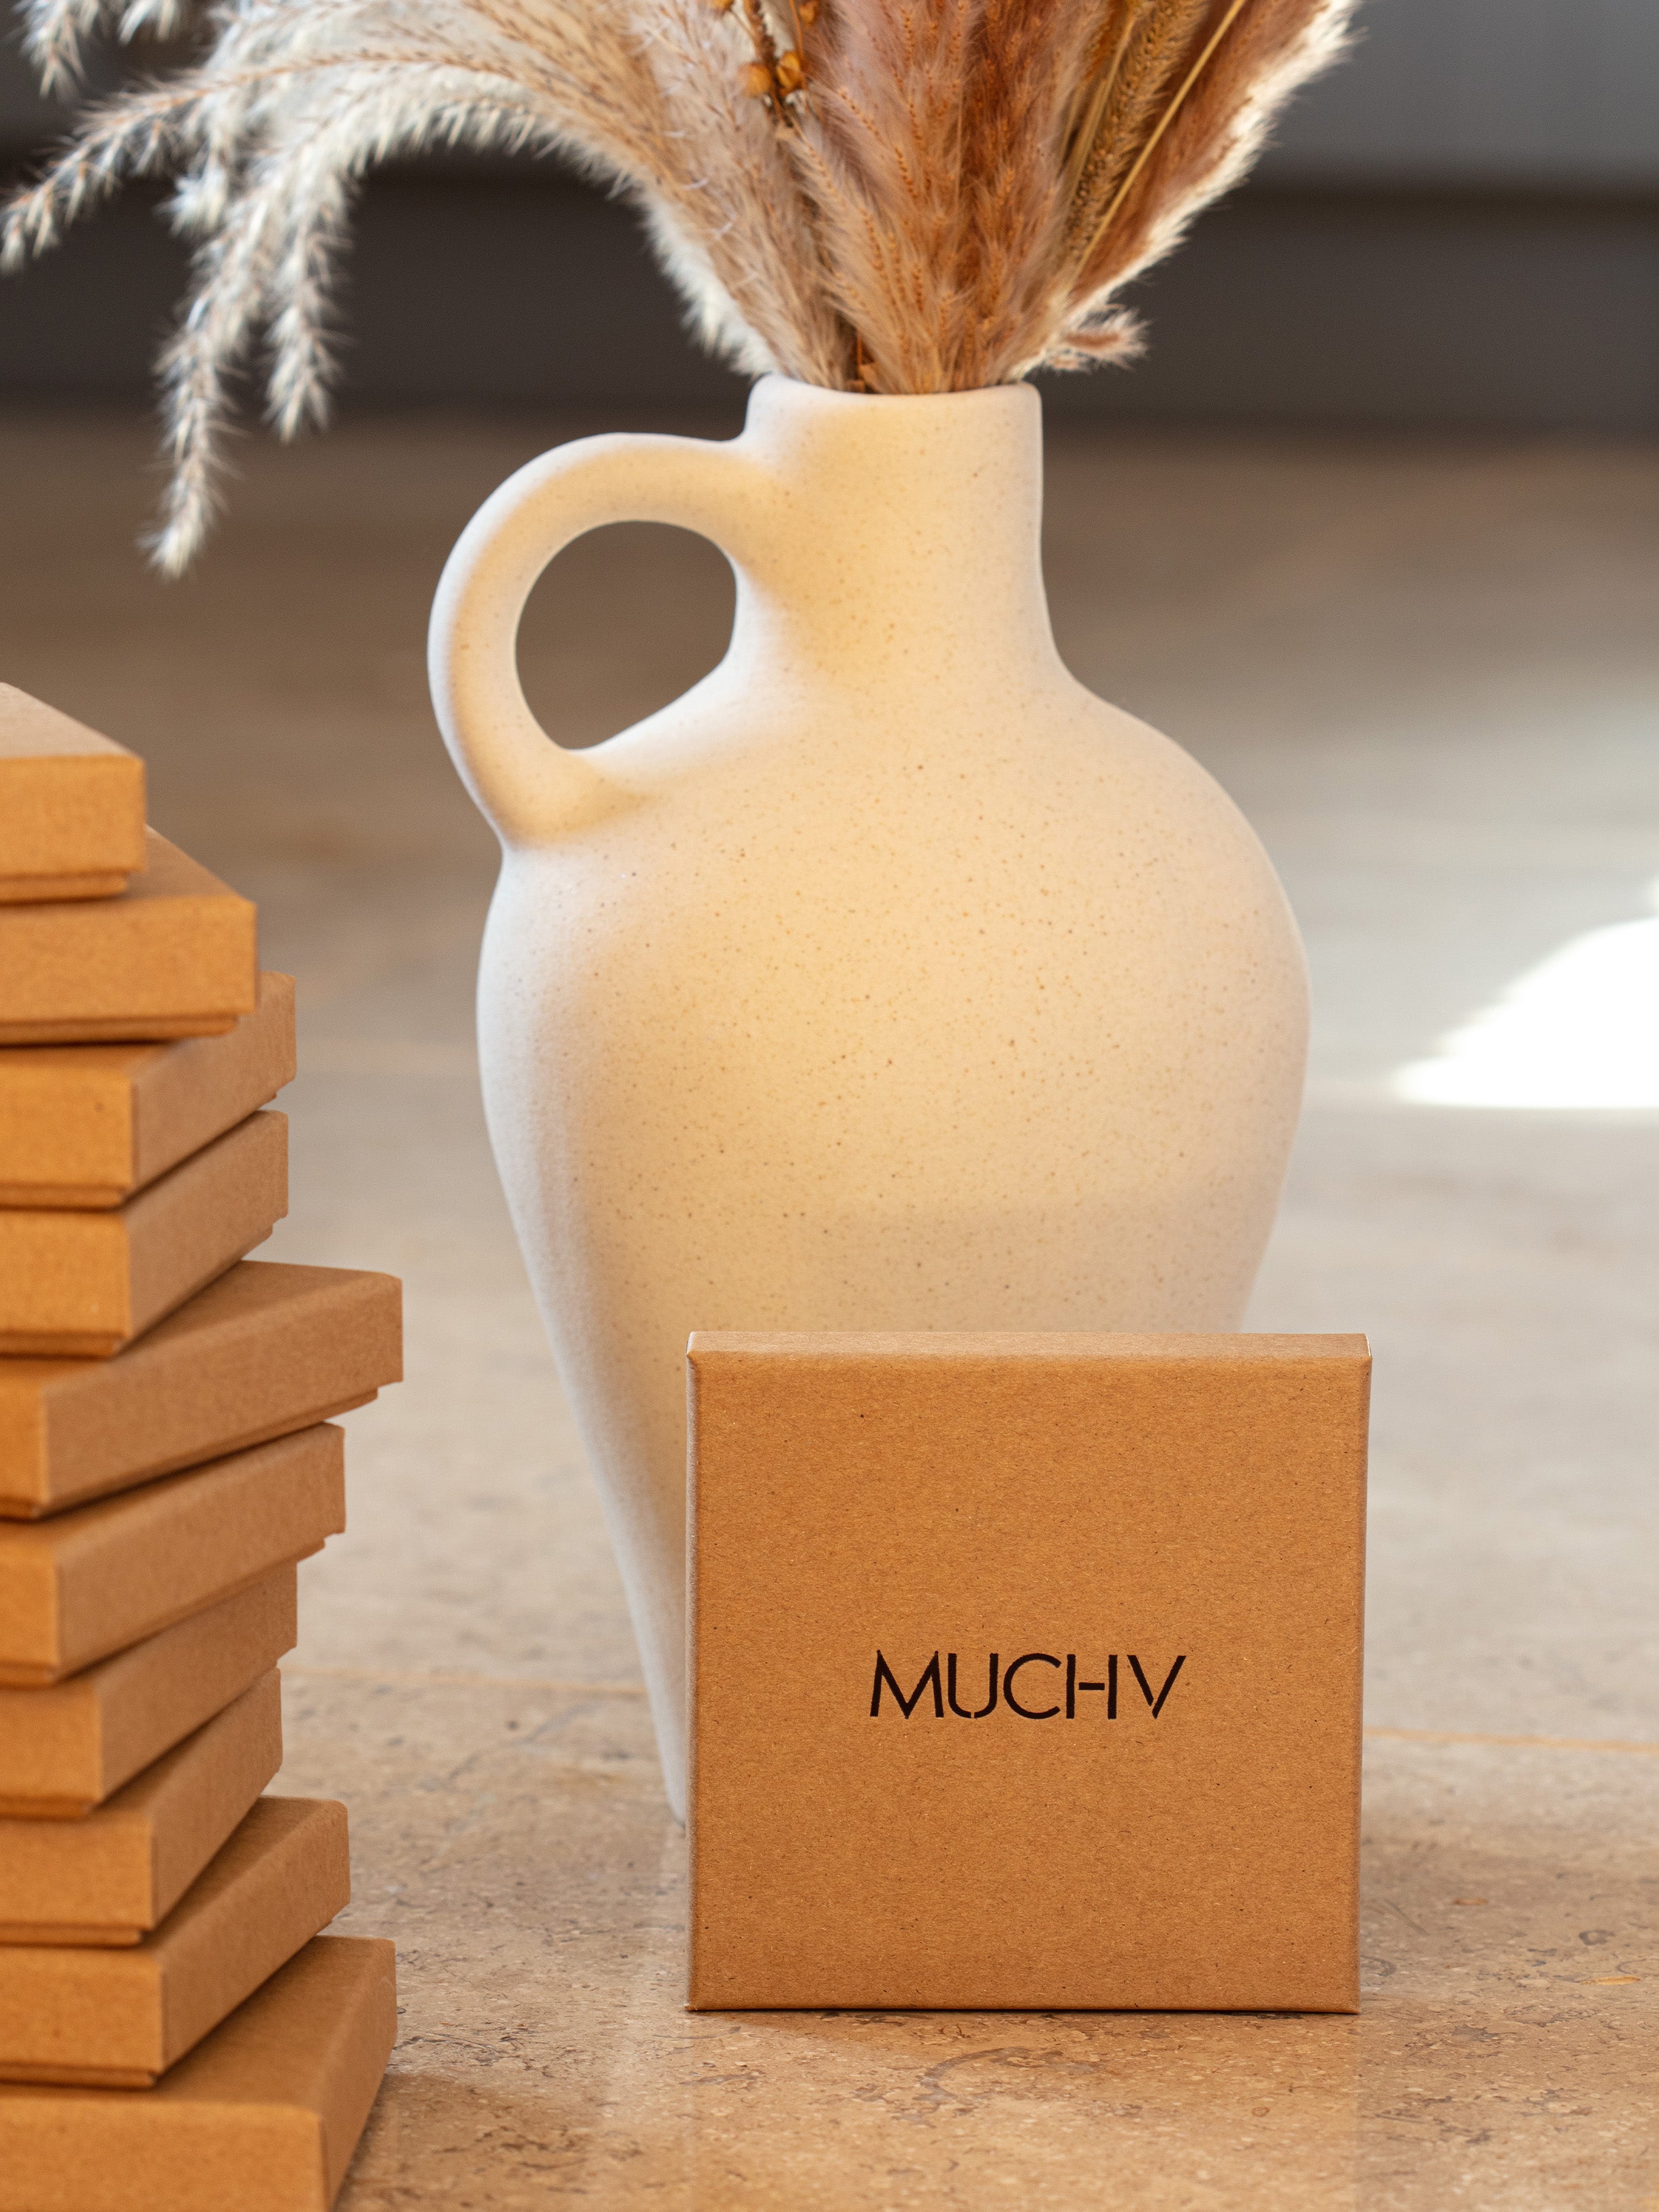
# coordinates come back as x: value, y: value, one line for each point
x: 879, y: 196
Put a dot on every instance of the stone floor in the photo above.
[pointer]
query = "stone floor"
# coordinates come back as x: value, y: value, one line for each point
x: 1429, y: 673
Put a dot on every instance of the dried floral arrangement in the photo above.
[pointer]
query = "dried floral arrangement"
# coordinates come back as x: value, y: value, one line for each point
x: 878, y: 196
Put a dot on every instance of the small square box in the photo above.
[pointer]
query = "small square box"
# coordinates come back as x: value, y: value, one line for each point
x: 263, y: 2115
x: 66, y: 1748
x: 110, y: 1876
x: 264, y: 1349
x: 108, y: 2018
x: 71, y: 806
x: 87, y: 1125
x: 1025, y: 1671
x: 107, y: 1575
x: 174, y: 955
x: 79, y: 1283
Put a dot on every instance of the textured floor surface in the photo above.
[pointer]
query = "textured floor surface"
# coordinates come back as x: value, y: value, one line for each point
x: 1429, y: 673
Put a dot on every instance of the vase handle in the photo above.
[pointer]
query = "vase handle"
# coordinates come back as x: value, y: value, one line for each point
x: 527, y: 787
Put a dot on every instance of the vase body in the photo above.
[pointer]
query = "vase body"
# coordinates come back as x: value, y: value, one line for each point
x: 888, y: 980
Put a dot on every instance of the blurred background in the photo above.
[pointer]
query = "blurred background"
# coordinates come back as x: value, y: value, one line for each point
x: 1374, y: 531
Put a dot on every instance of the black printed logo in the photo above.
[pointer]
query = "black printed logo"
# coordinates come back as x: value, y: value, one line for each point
x: 1018, y: 1688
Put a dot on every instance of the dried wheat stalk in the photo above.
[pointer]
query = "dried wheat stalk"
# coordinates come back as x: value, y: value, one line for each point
x: 887, y: 196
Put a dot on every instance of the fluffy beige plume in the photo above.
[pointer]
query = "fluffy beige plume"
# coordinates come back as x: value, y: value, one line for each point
x: 884, y: 195
x: 732, y: 228
x: 878, y: 152
x: 1015, y: 106
x: 1241, y: 62
x: 1146, y: 67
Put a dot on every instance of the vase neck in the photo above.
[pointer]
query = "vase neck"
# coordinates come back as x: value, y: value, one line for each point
x: 899, y: 542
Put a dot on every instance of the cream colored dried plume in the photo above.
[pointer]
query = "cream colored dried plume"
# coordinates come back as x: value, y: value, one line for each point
x: 886, y: 196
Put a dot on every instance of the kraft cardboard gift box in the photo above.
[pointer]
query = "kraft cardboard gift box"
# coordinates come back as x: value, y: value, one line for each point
x: 113, y: 1875
x: 71, y: 806
x: 262, y: 2116
x: 266, y: 1348
x: 151, y: 1510
x: 87, y: 1125
x: 174, y: 955
x: 119, y: 2018
x: 68, y: 1747
x: 75, y: 1283
x: 93, y: 1581
x: 1025, y: 1671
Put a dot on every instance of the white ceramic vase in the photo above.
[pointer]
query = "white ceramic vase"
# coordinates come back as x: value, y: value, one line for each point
x: 888, y: 980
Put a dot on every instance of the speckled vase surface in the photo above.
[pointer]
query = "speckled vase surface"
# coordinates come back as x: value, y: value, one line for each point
x: 888, y: 980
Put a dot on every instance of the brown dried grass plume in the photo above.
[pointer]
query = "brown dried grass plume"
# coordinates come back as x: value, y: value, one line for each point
x: 881, y: 195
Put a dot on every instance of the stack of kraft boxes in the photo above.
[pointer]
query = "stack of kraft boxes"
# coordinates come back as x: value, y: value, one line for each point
x: 173, y: 2029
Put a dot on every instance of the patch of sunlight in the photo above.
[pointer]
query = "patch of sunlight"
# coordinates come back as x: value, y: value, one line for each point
x: 1579, y: 1031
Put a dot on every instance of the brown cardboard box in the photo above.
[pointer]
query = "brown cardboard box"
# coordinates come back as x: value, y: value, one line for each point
x: 89, y: 1124
x: 77, y: 1284
x: 116, y: 2018
x: 93, y: 1581
x: 266, y: 1349
x: 71, y: 806
x: 261, y: 2116
x: 174, y: 955
x: 110, y: 1878
x: 65, y: 1749
x: 1151, y: 1547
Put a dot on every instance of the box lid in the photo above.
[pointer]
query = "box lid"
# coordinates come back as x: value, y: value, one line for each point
x: 119, y: 2018
x: 109, y: 1877
x: 71, y: 806
x: 68, y: 1747
x: 266, y: 1348
x: 175, y: 954
x: 87, y: 1125
x: 76, y: 1283
x: 92, y: 1580
x: 266, y: 2111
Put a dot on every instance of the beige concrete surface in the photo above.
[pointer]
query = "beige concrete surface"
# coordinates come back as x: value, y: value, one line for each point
x: 1429, y: 673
